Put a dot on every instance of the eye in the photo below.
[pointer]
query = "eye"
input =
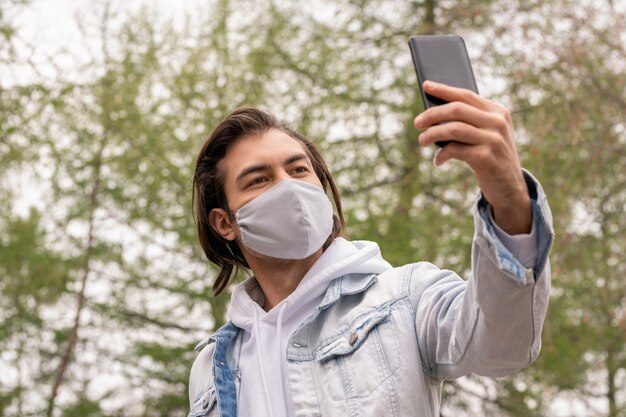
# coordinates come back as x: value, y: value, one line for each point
x: 257, y: 181
x: 299, y: 170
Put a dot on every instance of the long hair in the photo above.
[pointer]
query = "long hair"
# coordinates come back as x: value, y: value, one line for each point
x: 208, y: 186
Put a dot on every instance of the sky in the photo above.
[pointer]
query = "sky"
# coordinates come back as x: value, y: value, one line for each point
x: 53, y: 26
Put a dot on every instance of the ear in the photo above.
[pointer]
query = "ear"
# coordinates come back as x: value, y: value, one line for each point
x: 221, y: 222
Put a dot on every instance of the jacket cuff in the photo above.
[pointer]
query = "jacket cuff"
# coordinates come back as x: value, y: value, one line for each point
x: 542, y: 223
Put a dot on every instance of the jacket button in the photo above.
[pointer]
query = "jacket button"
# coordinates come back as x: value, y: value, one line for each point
x: 353, y: 339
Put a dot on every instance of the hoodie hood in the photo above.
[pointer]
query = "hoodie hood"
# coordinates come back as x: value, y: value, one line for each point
x: 262, y: 357
x: 340, y: 258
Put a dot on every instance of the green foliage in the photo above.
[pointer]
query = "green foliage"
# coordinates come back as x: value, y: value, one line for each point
x: 574, y: 116
x: 31, y: 273
x: 104, y: 271
x: 83, y: 407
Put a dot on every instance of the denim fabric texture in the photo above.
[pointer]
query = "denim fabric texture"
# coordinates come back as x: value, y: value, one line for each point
x: 381, y: 345
x: 222, y: 392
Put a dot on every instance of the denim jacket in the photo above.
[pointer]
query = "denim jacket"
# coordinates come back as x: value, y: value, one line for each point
x: 381, y: 345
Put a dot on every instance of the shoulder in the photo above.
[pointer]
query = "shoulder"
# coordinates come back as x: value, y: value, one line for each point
x: 413, y: 274
x: 202, y: 369
x: 201, y: 376
x: 419, y: 279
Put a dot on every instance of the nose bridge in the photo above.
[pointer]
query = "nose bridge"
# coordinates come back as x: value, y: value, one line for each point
x: 280, y: 174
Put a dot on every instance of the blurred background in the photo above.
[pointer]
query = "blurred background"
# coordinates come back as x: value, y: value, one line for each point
x: 104, y: 291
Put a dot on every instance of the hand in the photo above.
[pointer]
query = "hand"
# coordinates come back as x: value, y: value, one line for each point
x: 483, y: 137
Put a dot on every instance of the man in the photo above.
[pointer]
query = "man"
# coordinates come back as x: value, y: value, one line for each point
x: 325, y: 326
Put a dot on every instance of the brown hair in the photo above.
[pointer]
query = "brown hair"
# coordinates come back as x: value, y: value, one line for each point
x: 208, y: 185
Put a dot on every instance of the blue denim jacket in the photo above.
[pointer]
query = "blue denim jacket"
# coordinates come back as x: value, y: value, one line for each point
x: 383, y: 344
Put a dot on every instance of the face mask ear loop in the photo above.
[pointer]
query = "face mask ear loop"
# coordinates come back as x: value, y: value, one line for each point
x: 233, y: 215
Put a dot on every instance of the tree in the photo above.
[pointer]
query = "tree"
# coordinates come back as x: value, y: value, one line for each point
x: 33, y: 276
x: 106, y: 271
x: 571, y: 101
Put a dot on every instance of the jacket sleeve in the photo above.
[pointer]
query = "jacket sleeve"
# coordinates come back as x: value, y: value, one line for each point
x: 491, y: 324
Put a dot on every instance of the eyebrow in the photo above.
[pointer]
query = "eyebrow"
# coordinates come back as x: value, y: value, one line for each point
x: 294, y: 158
x: 262, y: 167
x: 252, y: 169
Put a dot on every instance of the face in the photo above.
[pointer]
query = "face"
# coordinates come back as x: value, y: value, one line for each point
x: 253, y: 165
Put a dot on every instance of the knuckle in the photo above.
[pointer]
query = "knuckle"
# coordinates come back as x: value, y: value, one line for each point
x: 456, y: 129
x: 467, y: 94
x: 484, y: 155
x: 501, y: 123
x: 457, y: 109
x: 503, y: 111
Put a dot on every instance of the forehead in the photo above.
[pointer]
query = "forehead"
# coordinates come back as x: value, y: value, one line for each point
x: 274, y: 146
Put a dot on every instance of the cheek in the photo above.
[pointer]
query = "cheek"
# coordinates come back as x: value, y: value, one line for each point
x: 313, y: 179
x: 235, y: 198
x: 243, y: 199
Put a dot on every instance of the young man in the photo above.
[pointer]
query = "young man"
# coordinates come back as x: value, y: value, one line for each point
x: 325, y: 326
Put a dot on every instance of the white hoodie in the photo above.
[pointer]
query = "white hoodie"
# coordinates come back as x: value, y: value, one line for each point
x: 263, y: 359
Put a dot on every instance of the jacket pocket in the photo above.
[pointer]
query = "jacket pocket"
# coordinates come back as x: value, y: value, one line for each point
x: 352, y: 338
x: 359, y: 362
x: 205, y: 404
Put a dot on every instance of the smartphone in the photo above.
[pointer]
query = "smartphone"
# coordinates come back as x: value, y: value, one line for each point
x: 443, y: 59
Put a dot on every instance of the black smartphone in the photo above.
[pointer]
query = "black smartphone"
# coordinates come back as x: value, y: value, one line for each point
x: 443, y: 59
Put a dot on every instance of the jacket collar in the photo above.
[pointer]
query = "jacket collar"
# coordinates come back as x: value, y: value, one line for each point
x: 226, y: 333
x: 347, y: 285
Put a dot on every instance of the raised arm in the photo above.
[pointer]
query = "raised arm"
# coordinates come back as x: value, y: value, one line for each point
x: 490, y: 325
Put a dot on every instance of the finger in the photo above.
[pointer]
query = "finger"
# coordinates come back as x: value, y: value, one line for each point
x: 478, y: 157
x: 453, y: 150
x: 457, y: 111
x: 449, y: 93
x: 456, y: 131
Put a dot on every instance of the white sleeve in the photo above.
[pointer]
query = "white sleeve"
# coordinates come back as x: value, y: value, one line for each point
x: 522, y: 246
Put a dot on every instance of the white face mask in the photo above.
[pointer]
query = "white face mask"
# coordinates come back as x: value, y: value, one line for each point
x: 291, y: 220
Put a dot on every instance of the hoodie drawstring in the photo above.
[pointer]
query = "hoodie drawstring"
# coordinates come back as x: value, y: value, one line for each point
x: 282, y: 353
x: 259, y: 358
x: 263, y: 360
